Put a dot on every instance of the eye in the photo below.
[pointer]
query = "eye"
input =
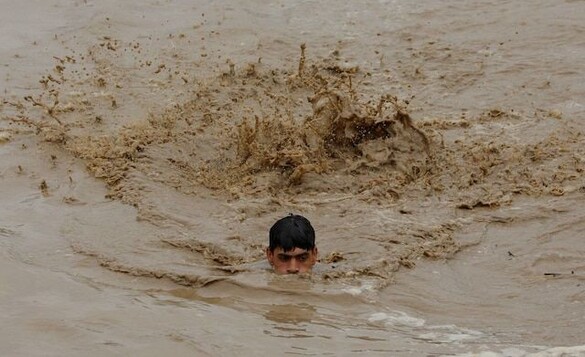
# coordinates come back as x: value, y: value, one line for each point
x: 284, y: 258
x: 303, y: 258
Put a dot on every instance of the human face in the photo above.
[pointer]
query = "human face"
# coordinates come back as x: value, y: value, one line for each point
x: 294, y: 261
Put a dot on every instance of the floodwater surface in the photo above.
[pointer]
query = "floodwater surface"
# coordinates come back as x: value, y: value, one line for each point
x: 437, y: 148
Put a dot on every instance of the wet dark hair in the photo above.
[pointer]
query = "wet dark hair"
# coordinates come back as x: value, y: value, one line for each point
x: 290, y: 232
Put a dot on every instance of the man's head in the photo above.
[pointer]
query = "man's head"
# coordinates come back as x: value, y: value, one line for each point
x: 292, y: 247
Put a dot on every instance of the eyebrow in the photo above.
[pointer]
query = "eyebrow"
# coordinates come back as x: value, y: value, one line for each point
x: 293, y: 255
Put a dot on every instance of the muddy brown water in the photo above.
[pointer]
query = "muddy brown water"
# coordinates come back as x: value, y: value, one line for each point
x: 147, y: 147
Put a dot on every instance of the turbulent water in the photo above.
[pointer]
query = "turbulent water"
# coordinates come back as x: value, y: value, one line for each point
x: 437, y: 148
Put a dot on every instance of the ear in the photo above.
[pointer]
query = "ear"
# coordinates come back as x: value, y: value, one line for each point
x: 315, y: 254
x: 270, y: 256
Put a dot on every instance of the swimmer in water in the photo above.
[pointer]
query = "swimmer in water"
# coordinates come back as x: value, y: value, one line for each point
x: 292, y: 247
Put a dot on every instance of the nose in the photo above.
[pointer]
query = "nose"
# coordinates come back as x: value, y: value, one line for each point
x: 293, y: 267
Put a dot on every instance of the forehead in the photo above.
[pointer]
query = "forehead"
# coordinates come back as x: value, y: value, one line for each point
x: 295, y: 251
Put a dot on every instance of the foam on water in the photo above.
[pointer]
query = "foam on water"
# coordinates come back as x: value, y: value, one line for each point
x: 423, y: 331
x: 572, y: 351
